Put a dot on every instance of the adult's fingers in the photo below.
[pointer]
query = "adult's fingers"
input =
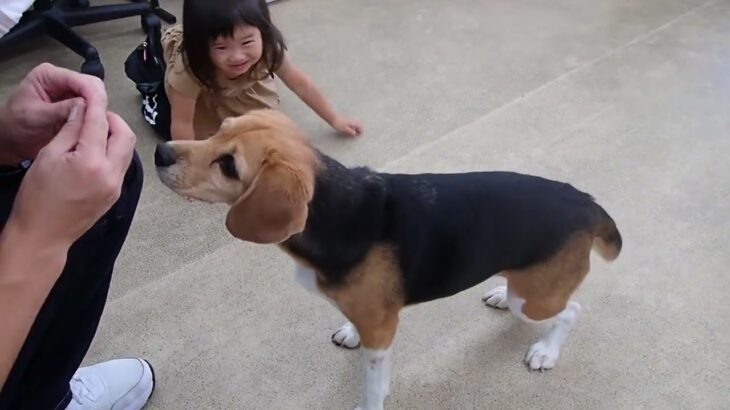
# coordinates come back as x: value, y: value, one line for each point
x: 94, y: 132
x: 68, y: 137
x: 120, y: 148
x: 60, y: 83
x: 57, y: 113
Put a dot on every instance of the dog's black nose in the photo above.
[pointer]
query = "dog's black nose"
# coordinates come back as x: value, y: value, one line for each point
x: 164, y: 155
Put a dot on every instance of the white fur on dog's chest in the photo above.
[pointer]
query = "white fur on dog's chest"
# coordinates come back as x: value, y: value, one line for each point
x: 307, y: 277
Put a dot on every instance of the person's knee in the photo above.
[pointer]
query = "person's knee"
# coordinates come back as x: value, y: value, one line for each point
x: 135, y: 174
x: 131, y: 189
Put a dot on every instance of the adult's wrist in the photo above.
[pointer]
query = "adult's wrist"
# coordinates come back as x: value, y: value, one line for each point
x: 4, y: 137
x: 24, y: 255
x: 7, y: 156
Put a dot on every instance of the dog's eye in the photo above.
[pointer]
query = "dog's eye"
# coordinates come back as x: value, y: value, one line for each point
x: 228, y: 165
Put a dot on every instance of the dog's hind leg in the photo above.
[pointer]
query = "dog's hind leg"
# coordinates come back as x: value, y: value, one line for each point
x: 544, y: 354
x: 541, y: 293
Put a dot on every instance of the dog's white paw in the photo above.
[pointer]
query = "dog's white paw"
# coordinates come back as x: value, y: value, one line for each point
x: 542, y: 356
x: 496, y: 297
x: 347, y: 337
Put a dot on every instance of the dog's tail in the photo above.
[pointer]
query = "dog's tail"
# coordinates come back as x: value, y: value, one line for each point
x: 607, y: 241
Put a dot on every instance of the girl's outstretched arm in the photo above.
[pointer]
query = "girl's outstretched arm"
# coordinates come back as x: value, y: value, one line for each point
x: 182, y: 114
x: 303, y: 86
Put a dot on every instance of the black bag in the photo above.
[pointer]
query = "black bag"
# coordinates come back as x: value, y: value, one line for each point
x: 146, y: 67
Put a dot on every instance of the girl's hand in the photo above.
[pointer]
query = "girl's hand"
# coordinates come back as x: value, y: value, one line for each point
x: 347, y: 126
x: 304, y: 87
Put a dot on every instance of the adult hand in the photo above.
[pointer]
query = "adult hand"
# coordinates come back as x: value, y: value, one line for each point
x: 75, y: 178
x: 37, y: 109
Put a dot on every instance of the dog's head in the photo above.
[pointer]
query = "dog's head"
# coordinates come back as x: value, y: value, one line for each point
x: 259, y: 163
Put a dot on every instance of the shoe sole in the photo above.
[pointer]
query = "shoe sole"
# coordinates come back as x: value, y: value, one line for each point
x: 154, y: 380
x: 140, y: 402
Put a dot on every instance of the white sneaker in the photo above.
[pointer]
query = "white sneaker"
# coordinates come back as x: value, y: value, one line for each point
x: 122, y: 384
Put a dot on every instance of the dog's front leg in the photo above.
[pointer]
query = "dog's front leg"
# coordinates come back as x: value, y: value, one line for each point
x: 376, y: 361
x: 376, y: 378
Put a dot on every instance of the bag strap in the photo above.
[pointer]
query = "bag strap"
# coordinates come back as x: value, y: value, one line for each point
x: 154, y: 38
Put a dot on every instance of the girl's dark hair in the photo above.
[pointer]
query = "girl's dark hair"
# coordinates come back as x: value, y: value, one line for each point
x: 206, y: 20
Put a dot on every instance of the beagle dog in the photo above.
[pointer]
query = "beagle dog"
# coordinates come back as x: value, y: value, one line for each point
x: 373, y: 243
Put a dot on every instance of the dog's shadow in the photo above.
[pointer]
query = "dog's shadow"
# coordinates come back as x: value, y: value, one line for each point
x: 457, y: 374
x: 469, y: 374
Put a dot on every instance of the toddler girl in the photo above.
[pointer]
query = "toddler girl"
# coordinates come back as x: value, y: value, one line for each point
x: 221, y: 62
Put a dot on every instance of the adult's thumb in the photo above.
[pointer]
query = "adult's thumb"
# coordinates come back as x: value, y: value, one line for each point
x: 68, y: 135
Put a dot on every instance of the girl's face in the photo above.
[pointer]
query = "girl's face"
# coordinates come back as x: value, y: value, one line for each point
x: 234, y: 56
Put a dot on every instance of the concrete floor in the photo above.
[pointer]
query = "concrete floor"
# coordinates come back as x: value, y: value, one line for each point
x: 628, y: 100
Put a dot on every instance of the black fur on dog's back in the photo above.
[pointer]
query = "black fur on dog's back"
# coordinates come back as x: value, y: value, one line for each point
x: 456, y: 230
x: 449, y: 231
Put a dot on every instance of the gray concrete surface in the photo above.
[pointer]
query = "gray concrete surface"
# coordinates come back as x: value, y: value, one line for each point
x: 628, y: 100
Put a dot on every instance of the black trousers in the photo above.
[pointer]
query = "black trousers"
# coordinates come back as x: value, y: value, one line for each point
x: 67, y: 322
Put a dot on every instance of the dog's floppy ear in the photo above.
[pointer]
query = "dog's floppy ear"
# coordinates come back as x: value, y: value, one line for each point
x: 276, y: 204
